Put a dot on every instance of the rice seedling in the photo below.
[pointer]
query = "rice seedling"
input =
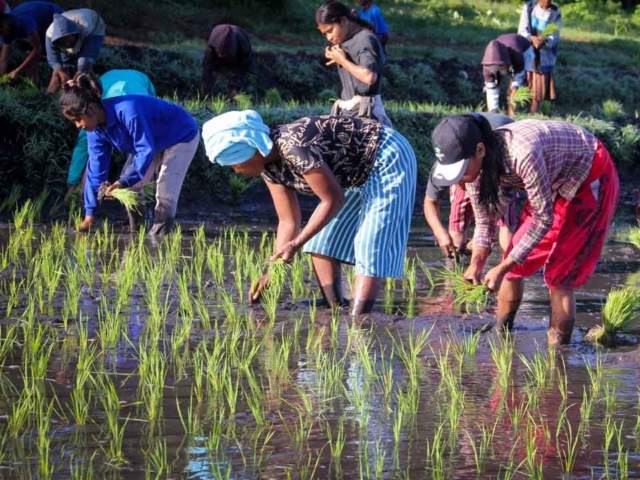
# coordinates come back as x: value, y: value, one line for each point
x: 409, y: 353
x: 243, y: 101
x: 536, y: 368
x: 436, y: 448
x: 466, y: 346
x: 481, y: 449
x: 111, y: 405
x: 14, y: 295
x: 21, y: 411
x: 380, y: 457
x: 24, y: 215
x: 521, y: 97
x: 618, y: 311
x: 410, y: 269
x: 465, y: 292
x: 568, y: 455
x: 634, y: 236
x: 502, y: 355
x: 610, y: 399
x: 12, y: 199
x: 336, y: 445
x: 80, y: 468
x: 157, y: 459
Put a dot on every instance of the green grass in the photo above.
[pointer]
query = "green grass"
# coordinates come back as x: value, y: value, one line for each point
x: 618, y: 312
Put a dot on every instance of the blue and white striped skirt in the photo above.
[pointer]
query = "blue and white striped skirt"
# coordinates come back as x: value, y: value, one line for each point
x: 371, y: 229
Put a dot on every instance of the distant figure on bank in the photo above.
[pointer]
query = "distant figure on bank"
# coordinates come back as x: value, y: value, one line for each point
x: 371, y: 13
x: 324, y: 156
x: 228, y: 51
x: 572, y: 188
x: 74, y: 40
x: 540, y: 23
x: 504, y: 56
x: 28, y: 22
x: 453, y: 241
x: 115, y: 83
x: 357, y: 52
x: 160, y: 137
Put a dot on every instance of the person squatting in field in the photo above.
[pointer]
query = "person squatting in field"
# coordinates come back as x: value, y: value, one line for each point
x: 454, y: 240
x: 324, y: 156
x: 572, y: 192
x: 27, y: 24
x: 161, y: 137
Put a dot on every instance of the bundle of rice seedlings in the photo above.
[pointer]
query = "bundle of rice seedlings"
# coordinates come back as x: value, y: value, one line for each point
x: 617, y: 313
x: 550, y: 29
x: 634, y: 236
x: 127, y: 197
x: 521, y: 97
x: 243, y: 101
x: 465, y: 292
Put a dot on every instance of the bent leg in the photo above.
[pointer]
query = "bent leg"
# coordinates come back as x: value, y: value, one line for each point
x: 329, y: 274
x: 365, y: 292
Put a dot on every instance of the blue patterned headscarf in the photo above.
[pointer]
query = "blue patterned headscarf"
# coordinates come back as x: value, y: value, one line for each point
x: 234, y: 137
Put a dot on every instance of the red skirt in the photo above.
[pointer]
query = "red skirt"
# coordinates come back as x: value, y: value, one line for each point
x: 570, y: 250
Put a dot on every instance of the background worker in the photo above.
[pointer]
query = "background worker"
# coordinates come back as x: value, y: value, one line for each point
x: 228, y: 51
x: 504, y: 56
x: 28, y: 22
x: 371, y: 13
x: 73, y: 43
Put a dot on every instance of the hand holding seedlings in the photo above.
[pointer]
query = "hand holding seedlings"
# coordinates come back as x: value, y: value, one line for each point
x: 112, y: 187
x: 258, y: 287
x: 446, y: 244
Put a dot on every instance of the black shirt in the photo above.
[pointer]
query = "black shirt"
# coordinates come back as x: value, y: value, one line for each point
x: 347, y: 145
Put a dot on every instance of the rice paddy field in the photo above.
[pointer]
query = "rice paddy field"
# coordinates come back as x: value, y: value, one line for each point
x: 124, y: 357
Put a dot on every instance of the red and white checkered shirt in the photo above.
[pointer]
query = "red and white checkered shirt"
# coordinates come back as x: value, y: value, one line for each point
x: 545, y: 159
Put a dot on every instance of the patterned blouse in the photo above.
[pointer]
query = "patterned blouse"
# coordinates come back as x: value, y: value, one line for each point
x: 347, y: 145
x: 545, y: 159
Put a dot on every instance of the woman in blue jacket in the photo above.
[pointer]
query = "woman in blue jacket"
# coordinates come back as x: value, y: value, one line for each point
x: 161, y: 136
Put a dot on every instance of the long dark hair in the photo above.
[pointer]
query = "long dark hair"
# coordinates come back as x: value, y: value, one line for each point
x: 492, y: 164
x: 332, y: 12
x: 79, y: 93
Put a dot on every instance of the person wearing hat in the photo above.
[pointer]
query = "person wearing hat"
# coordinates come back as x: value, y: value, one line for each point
x: 453, y: 240
x: 504, y: 56
x: 572, y: 191
x: 228, y: 50
x: 73, y: 42
x: 28, y: 23
x: 324, y: 156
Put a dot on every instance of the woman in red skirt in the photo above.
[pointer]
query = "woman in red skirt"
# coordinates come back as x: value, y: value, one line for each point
x: 572, y: 189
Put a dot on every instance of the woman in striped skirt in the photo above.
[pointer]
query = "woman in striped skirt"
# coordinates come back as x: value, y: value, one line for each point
x: 324, y: 156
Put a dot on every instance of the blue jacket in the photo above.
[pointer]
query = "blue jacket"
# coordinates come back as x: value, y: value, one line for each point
x: 139, y: 125
x: 30, y: 17
x: 115, y: 83
x: 545, y: 59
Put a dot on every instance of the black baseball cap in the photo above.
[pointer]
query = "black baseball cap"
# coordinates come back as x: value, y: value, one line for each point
x: 454, y: 141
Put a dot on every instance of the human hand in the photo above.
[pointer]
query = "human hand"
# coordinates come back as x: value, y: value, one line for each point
x: 286, y: 252
x: 446, y: 244
x: 255, y: 293
x: 113, y: 186
x: 476, y: 266
x: 86, y: 224
x: 13, y: 75
x: 335, y: 55
x: 493, y: 279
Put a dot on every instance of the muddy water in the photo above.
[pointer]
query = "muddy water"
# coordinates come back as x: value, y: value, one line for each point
x: 290, y: 438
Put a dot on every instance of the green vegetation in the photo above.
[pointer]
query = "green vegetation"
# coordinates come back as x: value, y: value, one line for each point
x: 619, y: 310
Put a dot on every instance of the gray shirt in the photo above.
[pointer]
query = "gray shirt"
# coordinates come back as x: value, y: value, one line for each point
x: 496, y: 120
x: 363, y: 49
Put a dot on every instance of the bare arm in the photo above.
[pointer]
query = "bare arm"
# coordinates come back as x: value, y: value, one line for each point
x: 432, y: 215
x: 5, y: 54
x: 288, y: 210
x: 34, y: 54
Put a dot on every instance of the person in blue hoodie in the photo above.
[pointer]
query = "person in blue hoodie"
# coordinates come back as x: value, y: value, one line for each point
x: 115, y: 83
x: 162, y: 137
x: 28, y: 22
x: 73, y: 42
